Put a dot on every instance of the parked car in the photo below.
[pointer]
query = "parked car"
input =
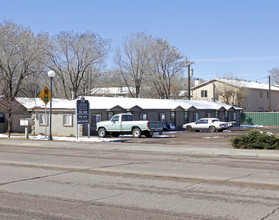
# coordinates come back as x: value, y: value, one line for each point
x: 125, y: 124
x: 210, y: 124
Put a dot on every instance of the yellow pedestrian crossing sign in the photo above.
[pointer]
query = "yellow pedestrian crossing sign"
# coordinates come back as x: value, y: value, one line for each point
x: 45, y: 95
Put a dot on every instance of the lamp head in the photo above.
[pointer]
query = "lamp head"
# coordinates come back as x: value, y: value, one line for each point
x: 51, y: 74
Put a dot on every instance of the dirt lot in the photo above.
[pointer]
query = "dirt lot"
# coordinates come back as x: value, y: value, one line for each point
x: 198, y: 139
x: 191, y: 139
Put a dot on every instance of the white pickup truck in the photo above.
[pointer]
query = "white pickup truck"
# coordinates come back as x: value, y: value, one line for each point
x: 124, y: 124
x: 211, y: 124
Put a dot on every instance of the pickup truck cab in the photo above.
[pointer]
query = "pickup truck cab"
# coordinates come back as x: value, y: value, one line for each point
x: 210, y: 124
x: 124, y: 124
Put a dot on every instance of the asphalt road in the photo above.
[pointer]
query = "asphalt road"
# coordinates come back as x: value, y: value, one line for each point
x: 133, y: 180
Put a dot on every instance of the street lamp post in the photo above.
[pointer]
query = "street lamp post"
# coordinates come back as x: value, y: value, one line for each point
x: 50, y: 74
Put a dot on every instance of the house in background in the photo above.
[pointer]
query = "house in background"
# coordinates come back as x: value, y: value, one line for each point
x: 20, y: 111
x: 251, y: 96
x: 120, y: 91
x: 176, y: 112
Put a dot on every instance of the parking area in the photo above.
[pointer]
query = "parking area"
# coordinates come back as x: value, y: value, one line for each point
x: 198, y: 139
x: 203, y: 139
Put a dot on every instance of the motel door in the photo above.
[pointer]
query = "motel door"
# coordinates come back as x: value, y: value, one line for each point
x: 95, y: 118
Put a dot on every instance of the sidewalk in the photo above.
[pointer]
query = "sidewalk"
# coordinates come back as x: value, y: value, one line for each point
x: 69, y: 139
x: 208, y: 151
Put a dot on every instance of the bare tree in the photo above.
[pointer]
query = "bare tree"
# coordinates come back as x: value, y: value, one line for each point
x: 232, y: 96
x: 241, y: 98
x: 274, y: 73
x: 226, y: 94
x: 133, y: 61
x: 91, y: 80
x: 178, y: 85
x: 20, y: 55
x: 112, y: 78
x: 38, y: 82
x: 167, y: 63
x: 75, y: 58
x: 7, y: 107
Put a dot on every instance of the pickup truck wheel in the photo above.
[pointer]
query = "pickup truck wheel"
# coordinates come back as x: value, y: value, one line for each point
x: 136, y: 133
x: 102, y: 132
x: 212, y: 129
x: 189, y: 128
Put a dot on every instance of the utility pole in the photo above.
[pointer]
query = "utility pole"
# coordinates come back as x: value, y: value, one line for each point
x: 269, y: 94
x: 189, y: 80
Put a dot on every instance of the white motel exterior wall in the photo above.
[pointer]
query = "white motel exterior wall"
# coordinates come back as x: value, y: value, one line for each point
x: 58, y: 127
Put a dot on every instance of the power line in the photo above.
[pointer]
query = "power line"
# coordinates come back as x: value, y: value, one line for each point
x: 243, y: 59
x: 260, y: 78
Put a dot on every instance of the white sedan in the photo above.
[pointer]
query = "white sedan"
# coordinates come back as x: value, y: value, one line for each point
x: 210, y: 124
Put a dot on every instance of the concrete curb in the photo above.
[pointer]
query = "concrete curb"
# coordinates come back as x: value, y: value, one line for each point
x: 207, y: 151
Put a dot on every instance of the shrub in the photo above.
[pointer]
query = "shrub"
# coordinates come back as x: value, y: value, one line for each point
x: 256, y: 139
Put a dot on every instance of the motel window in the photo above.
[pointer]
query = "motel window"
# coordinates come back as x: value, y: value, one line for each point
x: 186, y: 119
x: 234, y: 116
x: 173, y: 118
x: 203, y: 93
x: 216, y: 114
x: 196, y: 116
x: 162, y: 116
x: 2, y: 118
x: 143, y: 116
x: 68, y: 120
x: 226, y: 116
x: 43, y: 119
x: 261, y: 94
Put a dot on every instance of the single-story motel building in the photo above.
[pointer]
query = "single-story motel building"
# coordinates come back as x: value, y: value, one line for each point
x: 175, y: 112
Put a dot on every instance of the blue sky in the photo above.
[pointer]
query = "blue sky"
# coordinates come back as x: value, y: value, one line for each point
x: 239, y: 38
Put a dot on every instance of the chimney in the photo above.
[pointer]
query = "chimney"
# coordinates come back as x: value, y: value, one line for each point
x: 73, y: 95
x: 197, y: 82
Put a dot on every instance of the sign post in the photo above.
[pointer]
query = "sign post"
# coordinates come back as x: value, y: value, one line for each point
x: 83, y: 114
x: 26, y: 122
